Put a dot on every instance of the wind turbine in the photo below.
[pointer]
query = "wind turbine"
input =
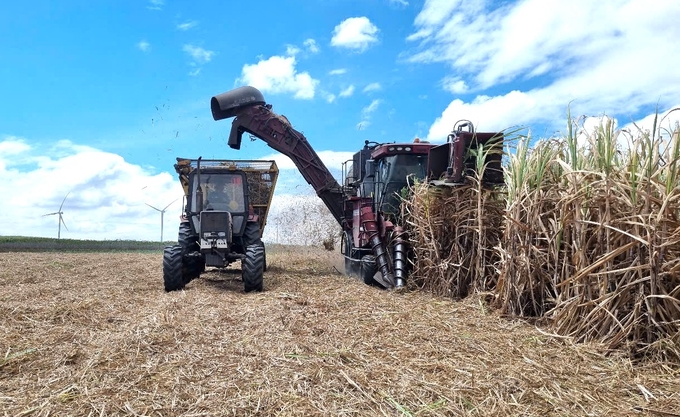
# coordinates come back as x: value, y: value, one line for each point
x: 162, y: 214
x: 61, y: 219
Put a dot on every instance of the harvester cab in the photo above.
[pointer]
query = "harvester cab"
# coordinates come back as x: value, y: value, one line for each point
x: 225, y: 210
x: 383, y: 171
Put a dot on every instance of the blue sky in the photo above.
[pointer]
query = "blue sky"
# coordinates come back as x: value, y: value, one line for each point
x: 99, y: 97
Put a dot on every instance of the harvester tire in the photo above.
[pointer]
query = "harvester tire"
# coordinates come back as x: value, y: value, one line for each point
x: 172, y: 268
x: 348, y: 252
x: 369, y: 267
x: 252, y: 268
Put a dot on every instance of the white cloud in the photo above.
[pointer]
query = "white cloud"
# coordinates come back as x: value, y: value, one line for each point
x: 571, y: 55
x: 311, y: 45
x: 198, y: 54
x: 372, y: 87
x: 277, y: 74
x: 368, y: 110
x: 187, y: 25
x: 292, y: 50
x: 666, y: 122
x: 144, y: 46
x: 107, y: 194
x: 156, y: 4
x: 13, y: 145
x: 329, y: 97
x: 454, y: 85
x: 494, y: 113
x: 357, y: 33
x: 338, y: 71
x: 399, y: 2
x: 363, y: 125
x: 347, y: 92
x: 194, y: 72
x: 366, y: 113
x: 434, y: 14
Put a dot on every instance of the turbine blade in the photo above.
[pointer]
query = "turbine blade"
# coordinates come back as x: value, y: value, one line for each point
x: 166, y: 207
x: 50, y: 214
x: 152, y: 207
x: 61, y: 219
x: 62, y: 201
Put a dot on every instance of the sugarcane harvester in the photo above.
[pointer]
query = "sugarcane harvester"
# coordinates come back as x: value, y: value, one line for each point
x: 367, y: 205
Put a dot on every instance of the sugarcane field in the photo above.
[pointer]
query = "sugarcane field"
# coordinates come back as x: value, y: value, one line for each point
x: 554, y: 294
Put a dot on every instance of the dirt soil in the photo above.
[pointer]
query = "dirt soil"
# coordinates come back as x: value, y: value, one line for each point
x: 95, y: 334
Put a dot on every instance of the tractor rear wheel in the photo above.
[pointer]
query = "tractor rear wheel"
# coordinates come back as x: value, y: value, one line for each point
x: 252, y: 268
x: 172, y: 268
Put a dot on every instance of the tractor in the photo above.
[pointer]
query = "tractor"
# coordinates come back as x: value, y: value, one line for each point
x: 225, y: 209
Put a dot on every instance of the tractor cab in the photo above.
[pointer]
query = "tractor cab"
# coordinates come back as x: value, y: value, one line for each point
x: 218, y: 197
x: 222, y: 191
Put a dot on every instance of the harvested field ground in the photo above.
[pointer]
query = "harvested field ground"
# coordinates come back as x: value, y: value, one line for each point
x: 94, y: 334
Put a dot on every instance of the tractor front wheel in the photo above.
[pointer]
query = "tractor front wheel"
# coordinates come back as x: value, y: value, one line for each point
x: 194, y: 262
x: 172, y: 268
x: 186, y: 238
x: 251, y: 236
x: 252, y: 268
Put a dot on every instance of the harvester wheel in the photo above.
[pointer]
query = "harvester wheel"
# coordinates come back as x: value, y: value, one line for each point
x: 252, y: 268
x: 347, y: 249
x: 368, y: 269
x: 172, y: 268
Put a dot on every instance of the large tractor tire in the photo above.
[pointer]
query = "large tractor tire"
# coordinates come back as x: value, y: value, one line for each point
x: 252, y: 268
x: 172, y: 268
x: 251, y: 236
x: 193, y: 265
x: 186, y: 238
